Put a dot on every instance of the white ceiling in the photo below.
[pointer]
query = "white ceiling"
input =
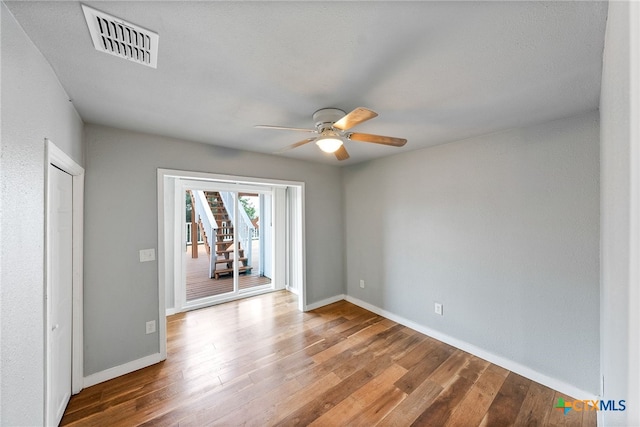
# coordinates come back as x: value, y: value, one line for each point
x: 435, y: 72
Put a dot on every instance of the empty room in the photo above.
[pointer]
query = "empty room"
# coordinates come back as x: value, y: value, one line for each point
x: 320, y: 213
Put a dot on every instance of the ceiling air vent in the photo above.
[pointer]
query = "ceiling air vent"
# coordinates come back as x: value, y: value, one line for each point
x: 120, y: 38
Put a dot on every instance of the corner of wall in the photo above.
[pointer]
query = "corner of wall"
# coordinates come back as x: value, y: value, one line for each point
x: 620, y: 213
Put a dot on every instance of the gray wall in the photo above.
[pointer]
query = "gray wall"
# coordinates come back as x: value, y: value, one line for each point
x: 34, y: 106
x: 505, y: 234
x: 620, y: 301
x: 121, y: 293
x: 502, y: 229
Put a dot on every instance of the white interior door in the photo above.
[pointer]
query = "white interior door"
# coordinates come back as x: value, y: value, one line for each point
x: 59, y: 293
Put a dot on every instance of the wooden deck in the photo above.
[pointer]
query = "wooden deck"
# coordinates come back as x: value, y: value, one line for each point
x: 267, y: 364
x: 199, y: 285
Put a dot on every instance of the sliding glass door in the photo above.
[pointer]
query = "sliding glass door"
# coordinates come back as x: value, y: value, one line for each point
x: 235, y: 242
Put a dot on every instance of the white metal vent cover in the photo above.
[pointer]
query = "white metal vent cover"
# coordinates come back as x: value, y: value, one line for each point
x: 121, y: 38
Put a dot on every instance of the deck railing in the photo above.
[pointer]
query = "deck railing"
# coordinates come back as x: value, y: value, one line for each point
x: 188, y: 228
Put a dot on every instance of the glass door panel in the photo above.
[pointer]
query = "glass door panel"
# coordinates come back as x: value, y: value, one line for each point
x: 252, y: 229
x: 233, y: 253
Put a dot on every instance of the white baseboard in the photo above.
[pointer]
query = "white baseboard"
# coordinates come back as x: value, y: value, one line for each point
x: 519, y: 369
x: 170, y: 311
x: 543, y: 379
x: 116, y: 371
x: 324, y: 302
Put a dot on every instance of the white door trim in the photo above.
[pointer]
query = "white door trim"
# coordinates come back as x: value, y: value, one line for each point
x: 164, y: 257
x: 55, y: 156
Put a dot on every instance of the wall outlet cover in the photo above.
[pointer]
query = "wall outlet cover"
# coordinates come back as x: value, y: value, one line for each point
x: 151, y: 326
x: 437, y: 308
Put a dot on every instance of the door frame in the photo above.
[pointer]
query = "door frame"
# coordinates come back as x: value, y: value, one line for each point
x: 58, y: 158
x: 166, y: 235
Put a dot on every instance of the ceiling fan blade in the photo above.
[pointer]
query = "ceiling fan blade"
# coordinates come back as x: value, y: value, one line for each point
x: 297, y: 144
x: 377, y: 139
x: 284, y: 128
x: 341, y: 153
x: 355, y: 117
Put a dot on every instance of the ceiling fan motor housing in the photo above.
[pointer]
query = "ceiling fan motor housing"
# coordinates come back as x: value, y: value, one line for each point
x: 326, y: 117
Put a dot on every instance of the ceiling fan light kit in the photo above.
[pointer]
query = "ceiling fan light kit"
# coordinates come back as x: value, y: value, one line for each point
x: 332, y: 125
x: 328, y: 144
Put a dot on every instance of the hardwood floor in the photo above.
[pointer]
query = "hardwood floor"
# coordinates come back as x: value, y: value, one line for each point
x: 199, y: 285
x: 260, y: 362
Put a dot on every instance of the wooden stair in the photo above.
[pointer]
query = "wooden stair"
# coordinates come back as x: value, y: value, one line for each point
x: 224, y: 244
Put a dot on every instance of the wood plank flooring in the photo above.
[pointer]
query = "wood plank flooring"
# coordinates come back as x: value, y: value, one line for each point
x: 260, y: 362
x: 199, y: 285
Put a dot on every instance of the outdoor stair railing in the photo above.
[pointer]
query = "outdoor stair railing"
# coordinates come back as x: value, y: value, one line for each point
x: 244, y: 227
x: 209, y: 225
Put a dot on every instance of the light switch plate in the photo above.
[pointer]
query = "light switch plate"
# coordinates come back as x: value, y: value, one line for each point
x: 147, y: 255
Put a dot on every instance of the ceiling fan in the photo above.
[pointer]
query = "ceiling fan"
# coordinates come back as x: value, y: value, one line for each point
x: 332, y: 127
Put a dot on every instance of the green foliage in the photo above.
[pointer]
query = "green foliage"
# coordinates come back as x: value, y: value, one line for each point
x: 188, y: 204
x: 248, y: 207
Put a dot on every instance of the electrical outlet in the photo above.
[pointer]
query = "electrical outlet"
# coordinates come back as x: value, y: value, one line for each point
x: 437, y: 308
x: 361, y: 283
x: 151, y: 326
x: 147, y: 255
